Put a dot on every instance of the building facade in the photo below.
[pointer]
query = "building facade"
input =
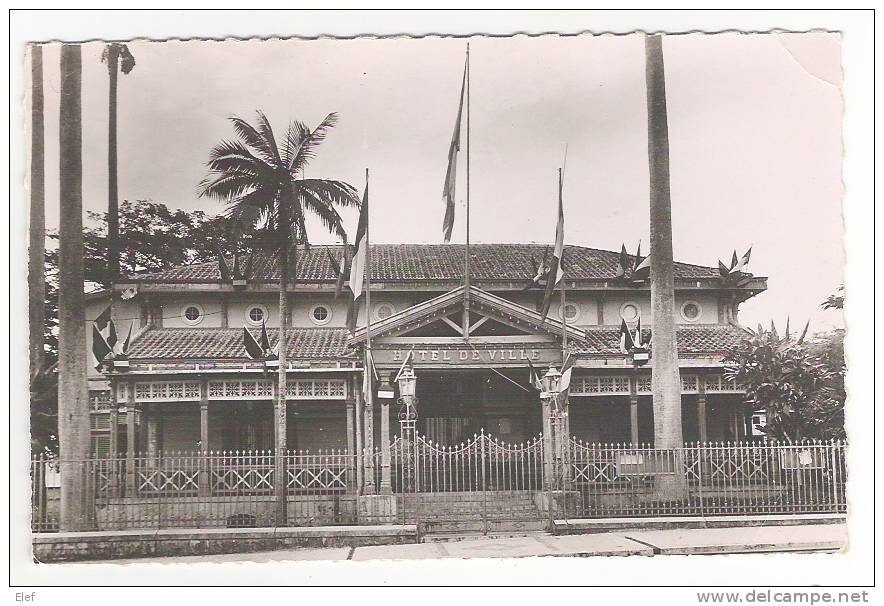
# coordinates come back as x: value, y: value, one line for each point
x: 191, y: 386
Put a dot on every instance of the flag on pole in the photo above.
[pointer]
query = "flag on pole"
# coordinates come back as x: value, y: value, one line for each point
x: 627, y: 344
x: 265, y: 339
x: 128, y: 339
x: 534, y: 379
x: 406, y: 362
x: 339, y: 268
x: 106, y: 327
x: 565, y: 381
x: 357, y: 268
x: 253, y: 349
x: 370, y: 374
x: 100, y: 348
x: 743, y: 261
x: 451, y: 173
x: 555, y: 272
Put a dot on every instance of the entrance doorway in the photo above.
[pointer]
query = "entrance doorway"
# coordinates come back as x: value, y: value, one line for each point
x: 456, y: 405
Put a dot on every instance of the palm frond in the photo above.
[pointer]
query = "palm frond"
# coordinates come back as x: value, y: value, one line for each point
x: 227, y: 186
x: 254, y: 140
x: 253, y: 209
x: 327, y: 214
x: 266, y: 132
x: 307, y: 149
x: 334, y: 192
x: 297, y: 132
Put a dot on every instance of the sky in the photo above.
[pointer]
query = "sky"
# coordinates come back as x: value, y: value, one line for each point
x: 754, y: 129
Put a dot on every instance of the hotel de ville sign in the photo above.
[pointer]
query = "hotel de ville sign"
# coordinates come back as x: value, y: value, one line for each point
x: 470, y: 356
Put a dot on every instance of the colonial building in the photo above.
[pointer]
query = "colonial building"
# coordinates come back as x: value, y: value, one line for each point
x: 191, y: 385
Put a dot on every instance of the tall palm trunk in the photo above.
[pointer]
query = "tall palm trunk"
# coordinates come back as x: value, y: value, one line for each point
x: 665, y: 380
x: 73, y: 417
x: 37, y: 232
x: 113, y: 216
x: 281, y: 408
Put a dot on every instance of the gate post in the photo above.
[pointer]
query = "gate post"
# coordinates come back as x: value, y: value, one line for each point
x: 408, y: 442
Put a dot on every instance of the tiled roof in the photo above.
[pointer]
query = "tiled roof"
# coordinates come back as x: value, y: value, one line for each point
x: 693, y: 340
x: 427, y: 262
x: 226, y: 343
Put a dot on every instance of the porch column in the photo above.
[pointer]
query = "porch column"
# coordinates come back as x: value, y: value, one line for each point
x: 360, y: 455
x: 114, y: 439
x: 152, y: 433
x: 203, y: 483
x: 633, y: 410
x: 386, y: 487
x: 370, y: 487
x: 131, y: 430
x: 548, y: 438
x: 701, y: 407
x: 351, y: 422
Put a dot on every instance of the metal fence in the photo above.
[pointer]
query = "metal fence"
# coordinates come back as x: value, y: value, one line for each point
x: 737, y: 478
x: 200, y: 490
x: 468, y: 486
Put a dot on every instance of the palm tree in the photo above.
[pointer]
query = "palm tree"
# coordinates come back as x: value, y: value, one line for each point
x: 665, y: 379
x: 263, y: 185
x: 117, y: 57
x: 37, y: 226
x: 73, y: 401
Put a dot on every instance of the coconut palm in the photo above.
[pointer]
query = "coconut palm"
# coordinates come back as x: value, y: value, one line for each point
x: 117, y: 57
x: 73, y: 401
x: 665, y: 379
x: 37, y: 227
x: 263, y: 185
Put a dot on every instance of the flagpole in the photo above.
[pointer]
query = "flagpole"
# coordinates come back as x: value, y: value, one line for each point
x: 466, y: 301
x: 367, y: 274
x: 562, y: 266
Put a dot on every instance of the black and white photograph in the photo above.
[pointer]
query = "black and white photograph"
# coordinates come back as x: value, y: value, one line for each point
x: 574, y: 299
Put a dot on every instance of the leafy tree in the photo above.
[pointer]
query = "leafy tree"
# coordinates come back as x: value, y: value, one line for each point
x: 154, y: 237
x: 835, y: 301
x: 799, y: 383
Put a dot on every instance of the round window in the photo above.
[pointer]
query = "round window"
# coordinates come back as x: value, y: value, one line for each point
x: 383, y: 311
x: 193, y: 314
x: 320, y: 314
x: 691, y: 311
x: 571, y: 312
x: 256, y: 314
x: 630, y: 311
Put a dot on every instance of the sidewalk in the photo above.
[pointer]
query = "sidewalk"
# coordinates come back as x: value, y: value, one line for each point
x: 817, y: 537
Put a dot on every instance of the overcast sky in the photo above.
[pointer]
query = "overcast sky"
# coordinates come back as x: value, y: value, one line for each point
x: 754, y: 128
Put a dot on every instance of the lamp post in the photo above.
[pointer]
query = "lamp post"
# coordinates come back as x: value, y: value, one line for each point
x: 549, y: 402
x: 407, y: 421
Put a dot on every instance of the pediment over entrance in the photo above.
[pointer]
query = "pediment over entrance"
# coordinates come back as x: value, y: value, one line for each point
x: 491, y: 319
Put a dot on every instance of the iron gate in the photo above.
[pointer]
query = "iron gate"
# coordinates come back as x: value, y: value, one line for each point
x: 481, y: 485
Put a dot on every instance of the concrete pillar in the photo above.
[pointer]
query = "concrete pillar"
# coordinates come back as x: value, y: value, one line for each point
x: 351, y: 445
x: 116, y: 469
x: 386, y: 487
x: 225, y: 316
x: 151, y: 421
x: 131, y: 434
x: 548, y: 441
x: 633, y: 410
x: 203, y: 482
x: 701, y: 408
x: 370, y: 487
x: 360, y: 455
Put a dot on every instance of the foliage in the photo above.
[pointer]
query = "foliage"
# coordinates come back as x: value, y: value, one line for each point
x: 153, y: 237
x: 835, y: 301
x: 800, y: 384
x: 263, y: 185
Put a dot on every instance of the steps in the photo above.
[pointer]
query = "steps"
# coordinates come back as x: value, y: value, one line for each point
x: 456, y: 514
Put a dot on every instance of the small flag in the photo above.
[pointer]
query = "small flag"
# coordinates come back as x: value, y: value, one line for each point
x: 339, y: 269
x: 407, y: 362
x: 369, y: 374
x: 534, y: 379
x: 626, y: 342
x: 265, y: 340
x: 624, y: 262
x: 222, y: 267
x: 744, y: 260
x: 448, y: 191
x: 253, y: 349
x: 540, y: 271
x: 100, y: 348
x: 357, y: 269
x: 565, y: 381
x: 128, y: 339
x: 555, y: 272
x: 642, y: 271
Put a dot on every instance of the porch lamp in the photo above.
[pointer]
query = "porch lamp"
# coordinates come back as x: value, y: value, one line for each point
x: 407, y: 382
x: 551, y: 383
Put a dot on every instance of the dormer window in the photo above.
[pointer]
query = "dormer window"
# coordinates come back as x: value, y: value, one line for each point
x: 320, y: 314
x: 630, y: 311
x: 192, y: 314
x: 256, y: 314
